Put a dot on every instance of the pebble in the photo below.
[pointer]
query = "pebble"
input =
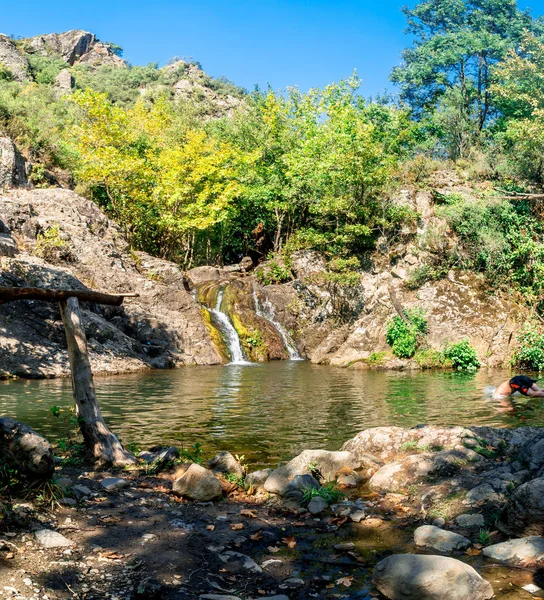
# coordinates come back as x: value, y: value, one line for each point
x: 114, y: 483
x: 357, y: 516
x: 271, y: 562
x: 51, y: 539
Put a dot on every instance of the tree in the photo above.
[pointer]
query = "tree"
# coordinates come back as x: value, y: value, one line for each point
x: 456, y: 43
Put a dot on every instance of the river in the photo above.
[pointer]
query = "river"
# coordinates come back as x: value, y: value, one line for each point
x: 268, y: 412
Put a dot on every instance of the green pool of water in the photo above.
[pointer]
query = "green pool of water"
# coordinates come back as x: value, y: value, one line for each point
x: 269, y: 412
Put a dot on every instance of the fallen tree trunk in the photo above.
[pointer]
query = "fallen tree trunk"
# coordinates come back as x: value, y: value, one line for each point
x: 23, y: 449
x: 10, y: 294
x: 101, y: 442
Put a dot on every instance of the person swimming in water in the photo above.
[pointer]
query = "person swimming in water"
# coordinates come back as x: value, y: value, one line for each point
x: 522, y: 384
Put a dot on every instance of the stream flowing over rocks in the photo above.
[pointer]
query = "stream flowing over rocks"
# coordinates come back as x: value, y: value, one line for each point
x: 178, y: 530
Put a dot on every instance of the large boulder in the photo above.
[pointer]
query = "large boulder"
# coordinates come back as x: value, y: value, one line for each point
x: 524, y: 512
x: 197, y: 483
x: 526, y: 551
x: 416, y: 468
x: 25, y: 450
x: 438, y: 539
x: 12, y: 165
x: 415, y: 577
x: 12, y: 60
x: 325, y: 462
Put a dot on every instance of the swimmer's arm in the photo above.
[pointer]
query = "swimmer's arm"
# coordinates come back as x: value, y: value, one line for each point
x: 539, y: 393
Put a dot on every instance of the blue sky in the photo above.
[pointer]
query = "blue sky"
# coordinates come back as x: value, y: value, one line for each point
x: 281, y: 42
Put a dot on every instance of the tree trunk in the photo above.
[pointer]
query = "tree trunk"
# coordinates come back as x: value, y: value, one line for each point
x: 25, y: 450
x: 100, y: 441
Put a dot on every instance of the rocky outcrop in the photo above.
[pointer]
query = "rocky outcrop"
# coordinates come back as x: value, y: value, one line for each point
x: 414, y: 577
x: 12, y: 60
x: 161, y: 328
x: 74, y: 46
x: 12, y: 165
x: 524, y: 512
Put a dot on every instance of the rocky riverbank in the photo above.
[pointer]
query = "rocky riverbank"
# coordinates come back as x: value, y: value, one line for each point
x: 55, y: 238
x: 421, y: 513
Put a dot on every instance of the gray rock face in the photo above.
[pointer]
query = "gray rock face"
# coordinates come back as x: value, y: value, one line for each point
x: 468, y: 520
x: 524, y: 511
x: 482, y: 494
x: 225, y: 464
x: 438, y: 539
x: 12, y: 165
x: 112, y: 484
x: 328, y: 463
x: 162, y: 328
x: 8, y: 246
x: 70, y: 45
x: 514, y: 552
x: 257, y: 478
x: 199, y: 484
x: 415, y: 577
x: 51, y: 539
x: 13, y: 60
x: 64, y: 81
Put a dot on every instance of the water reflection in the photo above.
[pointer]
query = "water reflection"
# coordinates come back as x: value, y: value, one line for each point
x: 269, y: 412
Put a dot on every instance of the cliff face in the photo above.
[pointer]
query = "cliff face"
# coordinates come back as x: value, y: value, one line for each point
x: 80, y: 248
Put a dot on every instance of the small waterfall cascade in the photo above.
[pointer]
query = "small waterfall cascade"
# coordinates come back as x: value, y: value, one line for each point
x: 231, y: 335
x: 266, y: 311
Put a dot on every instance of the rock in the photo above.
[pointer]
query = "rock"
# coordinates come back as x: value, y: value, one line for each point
x: 414, y: 469
x: 8, y: 246
x: 272, y: 562
x: 398, y: 272
x: 317, y: 505
x: 357, y: 516
x: 12, y: 60
x: 302, y: 482
x: 199, y: 275
x: 25, y: 450
x: 112, y: 484
x: 257, y: 478
x: 239, y: 561
x: 67, y: 502
x: 482, y: 494
x: 246, y: 264
x: 51, y: 539
x: 326, y: 462
x: 345, y: 547
x: 439, y: 522
x: 225, y: 464
x: 149, y: 589
x: 438, y: 539
x: 469, y: 520
x: 80, y: 492
x: 528, y: 550
x: 159, y: 456
x: 293, y: 582
x: 524, y: 512
x: 199, y: 484
x: 218, y: 597
x: 12, y: 165
x: 64, y: 81
x: 417, y: 577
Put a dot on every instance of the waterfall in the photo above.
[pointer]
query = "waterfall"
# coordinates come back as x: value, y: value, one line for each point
x: 266, y: 311
x: 231, y: 335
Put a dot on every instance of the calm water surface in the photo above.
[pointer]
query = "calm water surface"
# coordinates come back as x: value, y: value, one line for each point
x: 269, y: 412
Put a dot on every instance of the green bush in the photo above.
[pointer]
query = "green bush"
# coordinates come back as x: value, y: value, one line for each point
x: 275, y: 270
x: 403, y: 336
x: 530, y: 352
x: 427, y: 358
x: 462, y: 355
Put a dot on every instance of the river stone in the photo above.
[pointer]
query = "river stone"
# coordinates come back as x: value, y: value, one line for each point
x: 317, y: 505
x: 199, y: 484
x: 444, y: 541
x: 419, y: 577
x: 468, y: 520
x: 482, y: 494
x: 111, y: 484
x: 512, y: 553
x: 81, y: 491
x: 51, y: 539
x: 328, y: 463
x: 524, y: 511
x: 400, y: 473
x: 225, y: 464
x: 239, y: 560
x: 257, y: 478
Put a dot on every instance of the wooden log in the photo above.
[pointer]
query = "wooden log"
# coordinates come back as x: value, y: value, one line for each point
x: 102, y: 444
x: 23, y: 449
x: 10, y: 294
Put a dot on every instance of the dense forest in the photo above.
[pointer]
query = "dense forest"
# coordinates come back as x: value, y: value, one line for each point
x: 210, y: 176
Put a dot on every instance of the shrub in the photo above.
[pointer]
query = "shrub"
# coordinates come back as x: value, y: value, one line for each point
x: 404, y: 336
x: 418, y: 276
x: 275, y: 270
x: 530, y: 352
x: 427, y: 358
x: 51, y: 247
x: 462, y: 355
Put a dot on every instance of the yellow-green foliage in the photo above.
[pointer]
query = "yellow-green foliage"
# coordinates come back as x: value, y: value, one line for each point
x: 251, y: 339
x: 51, y: 247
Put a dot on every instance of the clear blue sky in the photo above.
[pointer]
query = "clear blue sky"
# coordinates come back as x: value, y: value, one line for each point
x: 281, y: 42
